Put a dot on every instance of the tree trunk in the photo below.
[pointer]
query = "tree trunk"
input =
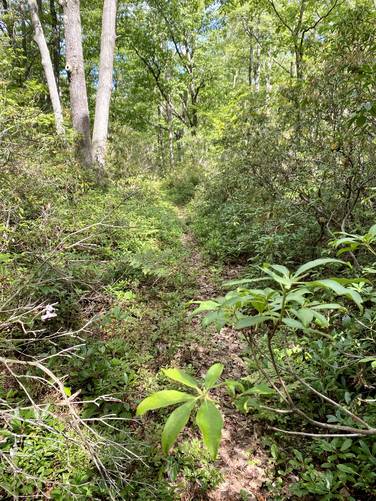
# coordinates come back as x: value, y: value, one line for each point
x: 170, y: 133
x: 47, y: 66
x: 106, y: 62
x: 77, y: 84
x: 256, y: 69
x: 161, y: 151
x: 55, y: 41
x: 250, y: 63
x: 268, y: 77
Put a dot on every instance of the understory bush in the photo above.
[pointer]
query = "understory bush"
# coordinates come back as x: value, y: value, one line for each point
x: 311, y: 369
x: 73, y: 258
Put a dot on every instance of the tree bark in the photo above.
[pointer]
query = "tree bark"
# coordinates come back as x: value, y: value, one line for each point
x: 77, y: 85
x: 47, y: 66
x: 170, y: 134
x: 106, y: 62
x: 250, y: 63
x: 55, y: 41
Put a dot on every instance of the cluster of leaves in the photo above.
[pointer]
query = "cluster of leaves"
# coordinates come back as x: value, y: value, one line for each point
x: 292, y: 305
x: 48, y: 459
x: 85, y: 240
x: 295, y: 332
x: 208, y: 417
x: 325, y: 468
x: 289, y: 171
x: 294, y: 335
x: 87, y: 250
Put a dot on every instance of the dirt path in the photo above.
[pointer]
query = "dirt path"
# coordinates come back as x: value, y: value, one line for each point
x: 242, y: 460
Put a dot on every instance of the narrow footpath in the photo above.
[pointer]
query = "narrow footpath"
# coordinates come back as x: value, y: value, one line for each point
x: 242, y: 461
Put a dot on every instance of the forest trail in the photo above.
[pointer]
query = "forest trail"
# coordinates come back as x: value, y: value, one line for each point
x: 242, y: 460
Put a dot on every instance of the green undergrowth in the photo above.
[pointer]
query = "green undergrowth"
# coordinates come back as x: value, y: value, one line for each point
x: 113, y: 255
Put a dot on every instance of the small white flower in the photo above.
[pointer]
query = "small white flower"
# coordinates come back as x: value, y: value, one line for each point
x: 48, y: 312
x: 13, y: 451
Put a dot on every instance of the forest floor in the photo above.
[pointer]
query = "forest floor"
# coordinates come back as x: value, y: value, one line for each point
x: 242, y: 464
x: 242, y: 460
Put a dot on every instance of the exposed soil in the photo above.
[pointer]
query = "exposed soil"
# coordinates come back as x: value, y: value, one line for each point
x: 242, y: 460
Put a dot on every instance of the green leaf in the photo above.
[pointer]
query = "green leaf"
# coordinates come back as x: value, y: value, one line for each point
x: 305, y: 315
x: 181, y: 377
x: 298, y: 455
x: 260, y: 389
x: 339, y: 289
x: 345, y: 240
x: 351, y: 281
x: 367, y: 359
x: 320, y: 320
x: 356, y: 297
x: 298, y: 295
x: 283, y: 280
x: 346, y: 445
x: 292, y: 323
x: 231, y: 283
x: 206, y: 306
x: 213, y: 374
x: 372, y: 231
x: 329, y: 284
x: 210, y: 318
x: 210, y: 421
x: 365, y: 448
x: 328, y: 306
x: 161, y: 399
x: 215, y: 317
x: 350, y: 248
x: 67, y: 391
x: 346, y: 469
x: 245, y: 322
x: 314, y: 264
x: 234, y: 386
x: 281, y: 269
x: 175, y: 424
x: 5, y: 258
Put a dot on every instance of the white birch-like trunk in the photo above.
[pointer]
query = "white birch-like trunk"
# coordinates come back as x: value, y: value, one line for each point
x: 77, y: 84
x: 106, y: 62
x: 47, y: 67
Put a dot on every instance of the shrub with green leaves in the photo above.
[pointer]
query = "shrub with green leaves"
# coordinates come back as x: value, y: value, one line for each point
x: 47, y: 458
x: 208, y: 417
x: 310, y: 363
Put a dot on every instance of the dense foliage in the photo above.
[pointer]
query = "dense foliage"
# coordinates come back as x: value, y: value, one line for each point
x: 229, y: 246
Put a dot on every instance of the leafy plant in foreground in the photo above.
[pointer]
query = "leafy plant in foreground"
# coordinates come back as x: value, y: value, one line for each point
x: 350, y: 242
x: 293, y: 305
x: 208, y: 417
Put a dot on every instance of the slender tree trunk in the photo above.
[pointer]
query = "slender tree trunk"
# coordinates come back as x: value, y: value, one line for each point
x: 256, y: 74
x: 268, y: 77
x: 24, y: 34
x: 250, y: 63
x: 77, y: 84
x: 47, y: 66
x: 55, y: 41
x: 170, y: 133
x: 161, y: 152
x: 106, y: 62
